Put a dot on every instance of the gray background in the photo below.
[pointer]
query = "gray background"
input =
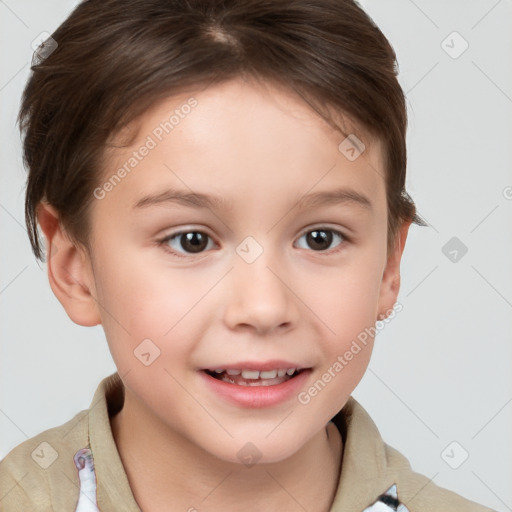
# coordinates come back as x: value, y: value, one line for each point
x: 440, y: 372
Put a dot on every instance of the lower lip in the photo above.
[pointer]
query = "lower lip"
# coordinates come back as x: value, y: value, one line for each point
x: 257, y: 396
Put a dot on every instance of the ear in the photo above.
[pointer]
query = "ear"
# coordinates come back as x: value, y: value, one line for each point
x: 390, y: 285
x: 69, y: 270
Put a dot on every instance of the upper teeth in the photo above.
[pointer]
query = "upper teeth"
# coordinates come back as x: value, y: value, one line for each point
x: 256, y: 374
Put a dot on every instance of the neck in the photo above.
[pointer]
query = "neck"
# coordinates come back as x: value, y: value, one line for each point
x: 168, y: 472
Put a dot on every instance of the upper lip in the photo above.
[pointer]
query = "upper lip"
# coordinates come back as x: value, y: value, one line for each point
x: 257, y: 365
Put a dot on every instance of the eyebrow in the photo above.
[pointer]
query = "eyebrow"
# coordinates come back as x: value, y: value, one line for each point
x: 199, y: 200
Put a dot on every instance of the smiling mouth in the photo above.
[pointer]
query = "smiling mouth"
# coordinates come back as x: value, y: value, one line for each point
x: 255, y: 377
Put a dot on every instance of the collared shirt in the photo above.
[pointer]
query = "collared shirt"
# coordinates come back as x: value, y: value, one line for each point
x: 76, y: 467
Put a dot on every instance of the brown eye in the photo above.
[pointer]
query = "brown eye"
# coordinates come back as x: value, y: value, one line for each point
x: 188, y: 242
x: 321, y: 239
x: 194, y: 241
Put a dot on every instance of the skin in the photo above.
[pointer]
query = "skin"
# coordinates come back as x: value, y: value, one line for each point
x: 262, y: 148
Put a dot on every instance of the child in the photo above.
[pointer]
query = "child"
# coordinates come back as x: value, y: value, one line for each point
x: 265, y: 129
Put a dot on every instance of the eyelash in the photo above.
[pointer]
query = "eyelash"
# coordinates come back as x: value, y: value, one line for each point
x: 163, y: 241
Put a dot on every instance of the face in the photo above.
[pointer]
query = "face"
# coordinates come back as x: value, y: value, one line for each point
x: 281, y: 268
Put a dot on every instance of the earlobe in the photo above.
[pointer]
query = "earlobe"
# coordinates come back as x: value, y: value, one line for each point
x: 69, y: 270
x: 390, y: 285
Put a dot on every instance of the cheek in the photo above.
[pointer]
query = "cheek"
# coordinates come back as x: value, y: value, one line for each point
x: 143, y: 302
x: 346, y: 298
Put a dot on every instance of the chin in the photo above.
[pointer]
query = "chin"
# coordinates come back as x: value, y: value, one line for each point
x: 248, y: 453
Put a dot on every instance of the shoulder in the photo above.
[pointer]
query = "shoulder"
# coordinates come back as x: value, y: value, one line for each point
x: 30, y: 471
x: 375, y: 473
x: 419, y: 493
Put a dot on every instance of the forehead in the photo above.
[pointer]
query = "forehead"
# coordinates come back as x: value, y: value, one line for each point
x: 254, y: 137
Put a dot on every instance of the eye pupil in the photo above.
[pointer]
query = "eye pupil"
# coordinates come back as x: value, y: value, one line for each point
x: 194, y: 241
x: 321, y: 237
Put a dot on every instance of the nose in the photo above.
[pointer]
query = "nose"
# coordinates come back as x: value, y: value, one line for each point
x: 261, y: 298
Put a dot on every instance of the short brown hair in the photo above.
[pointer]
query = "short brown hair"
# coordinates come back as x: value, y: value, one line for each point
x: 116, y: 58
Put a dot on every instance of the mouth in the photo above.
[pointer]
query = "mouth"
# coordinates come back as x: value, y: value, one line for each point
x: 251, y: 377
x: 256, y: 384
